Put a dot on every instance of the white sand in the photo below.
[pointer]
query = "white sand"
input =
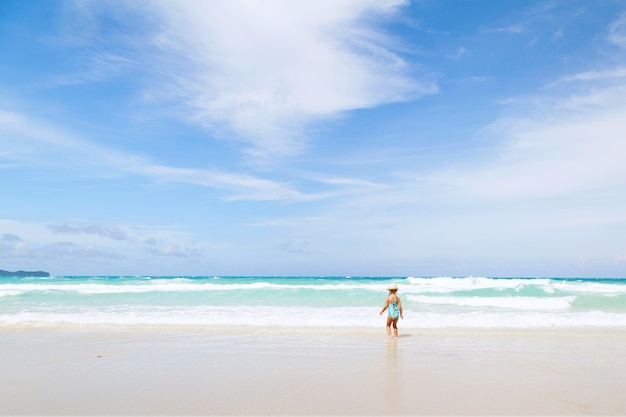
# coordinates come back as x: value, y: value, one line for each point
x: 352, y: 372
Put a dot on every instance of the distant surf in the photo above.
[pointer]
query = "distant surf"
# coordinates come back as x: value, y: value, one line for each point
x: 438, y: 302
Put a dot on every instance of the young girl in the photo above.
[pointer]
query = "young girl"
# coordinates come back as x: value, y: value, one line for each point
x: 394, y: 306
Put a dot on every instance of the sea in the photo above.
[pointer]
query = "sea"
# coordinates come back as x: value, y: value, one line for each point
x: 310, y: 302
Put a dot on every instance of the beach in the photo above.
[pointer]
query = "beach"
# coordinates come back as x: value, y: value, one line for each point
x: 251, y: 370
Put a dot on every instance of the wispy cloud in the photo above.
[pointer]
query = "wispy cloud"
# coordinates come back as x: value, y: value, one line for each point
x: 94, y: 66
x: 617, y: 31
x: 513, y: 29
x: 10, y: 237
x: 83, y: 243
x: 570, y: 144
x: 70, y: 252
x: 12, y: 245
x: 239, y: 186
x: 459, y: 53
x: 267, y: 71
x: 54, y: 252
x: 603, y: 75
x: 296, y: 246
x: 174, y: 251
x: 31, y: 142
x: 259, y: 74
x: 111, y: 232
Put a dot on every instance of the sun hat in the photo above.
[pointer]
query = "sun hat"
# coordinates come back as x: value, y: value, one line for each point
x: 392, y: 287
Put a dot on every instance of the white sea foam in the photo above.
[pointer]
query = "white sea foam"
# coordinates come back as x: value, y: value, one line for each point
x: 311, y: 317
x: 205, y: 315
x: 10, y: 292
x: 444, y: 285
x: 411, y: 285
x: 586, y: 287
x: 517, y: 303
x: 177, y: 285
x: 449, y: 284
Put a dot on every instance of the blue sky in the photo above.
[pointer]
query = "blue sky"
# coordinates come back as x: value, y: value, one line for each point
x: 424, y: 138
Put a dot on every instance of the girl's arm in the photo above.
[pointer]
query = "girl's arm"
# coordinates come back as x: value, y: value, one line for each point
x: 385, y: 307
x: 400, y: 307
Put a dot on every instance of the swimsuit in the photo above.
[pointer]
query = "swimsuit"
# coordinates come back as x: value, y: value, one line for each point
x: 393, y: 310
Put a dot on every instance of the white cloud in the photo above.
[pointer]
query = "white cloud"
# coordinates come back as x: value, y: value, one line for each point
x: 514, y: 29
x: 69, y: 252
x: 570, y: 144
x: 240, y: 186
x: 267, y: 70
x: 111, y: 232
x: 92, y: 67
x: 174, y: 251
x: 38, y: 246
x: 606, y: 75
x: 617, y: 31
x: 295, y: 246
x: 459, y: 53
x: 10, y: 237
x: 28, y: 141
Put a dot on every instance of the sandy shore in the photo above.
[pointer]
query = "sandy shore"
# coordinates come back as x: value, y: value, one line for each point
x: 275, y: 372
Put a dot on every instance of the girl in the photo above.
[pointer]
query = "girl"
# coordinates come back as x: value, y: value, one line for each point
x: 394, y: 306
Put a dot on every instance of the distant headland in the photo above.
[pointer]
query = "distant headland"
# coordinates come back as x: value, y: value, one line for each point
x: 23, y: 274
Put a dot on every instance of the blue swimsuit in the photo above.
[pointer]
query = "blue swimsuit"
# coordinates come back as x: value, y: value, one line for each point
x: 393, y: 310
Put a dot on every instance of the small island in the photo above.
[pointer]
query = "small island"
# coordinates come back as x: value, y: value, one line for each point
x: 23, y: 274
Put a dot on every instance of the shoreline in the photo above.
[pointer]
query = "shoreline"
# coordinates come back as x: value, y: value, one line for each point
x: 261, y: 371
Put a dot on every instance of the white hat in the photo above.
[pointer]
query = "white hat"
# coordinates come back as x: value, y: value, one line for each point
x: 392, y: 287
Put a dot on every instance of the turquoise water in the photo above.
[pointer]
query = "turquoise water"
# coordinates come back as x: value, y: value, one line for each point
x: 438, y: 302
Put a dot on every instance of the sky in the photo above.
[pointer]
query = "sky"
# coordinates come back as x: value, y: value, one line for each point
x: 326, y: 137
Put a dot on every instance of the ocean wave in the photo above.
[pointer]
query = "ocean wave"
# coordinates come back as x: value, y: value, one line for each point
x: 516, y: 303
x: 177, y: 285
x: 588, y: 287
x: 9, y: 292
x: 449, y: 284
x: 521, y: 285
x: 487, y: 288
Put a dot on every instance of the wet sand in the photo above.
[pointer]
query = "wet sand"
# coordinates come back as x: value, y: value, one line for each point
x: 259, y: 371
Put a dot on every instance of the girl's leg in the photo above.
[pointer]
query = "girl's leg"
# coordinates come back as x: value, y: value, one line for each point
x: 395, y: 328
x: 389, y: 320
